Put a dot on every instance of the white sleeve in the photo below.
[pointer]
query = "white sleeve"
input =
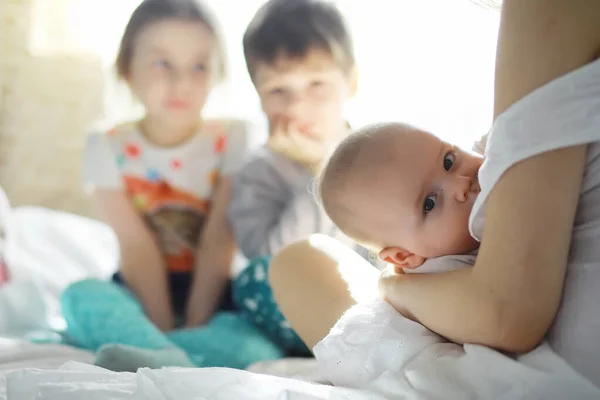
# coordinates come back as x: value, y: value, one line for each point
x: 100, y: 165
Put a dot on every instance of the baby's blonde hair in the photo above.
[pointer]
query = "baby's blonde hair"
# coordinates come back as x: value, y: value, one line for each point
x: 352, y: 165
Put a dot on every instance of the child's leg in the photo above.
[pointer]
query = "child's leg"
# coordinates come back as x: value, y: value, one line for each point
x: 228, y: 340
x: 99, y: 313
x: 316, y: 281
x: 105, y: 316
x: 252, y: 295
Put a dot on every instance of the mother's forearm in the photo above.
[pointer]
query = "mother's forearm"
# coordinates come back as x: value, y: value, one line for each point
x: 462, y: 308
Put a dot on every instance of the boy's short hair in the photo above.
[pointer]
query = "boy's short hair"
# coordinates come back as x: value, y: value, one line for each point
x: 293, y: 28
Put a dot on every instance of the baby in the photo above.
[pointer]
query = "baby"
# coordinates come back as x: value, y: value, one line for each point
x: 403, y: 193
x: 407, y: 195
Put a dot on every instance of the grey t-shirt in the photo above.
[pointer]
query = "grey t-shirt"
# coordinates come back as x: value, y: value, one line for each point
x: 273, y: 206
x: 563, y: 113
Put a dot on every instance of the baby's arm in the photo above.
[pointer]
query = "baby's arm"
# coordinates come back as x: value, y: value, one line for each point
x: 142, y: 265
x: 392, y: 274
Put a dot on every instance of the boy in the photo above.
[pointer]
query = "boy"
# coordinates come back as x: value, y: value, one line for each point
x: 299, y: 55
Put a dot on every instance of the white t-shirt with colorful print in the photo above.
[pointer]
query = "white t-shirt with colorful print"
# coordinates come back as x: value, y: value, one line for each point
x: 171, y: 187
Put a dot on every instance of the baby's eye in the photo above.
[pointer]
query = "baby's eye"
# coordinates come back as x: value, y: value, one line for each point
x: 449, y: 161
x: 429, y: 203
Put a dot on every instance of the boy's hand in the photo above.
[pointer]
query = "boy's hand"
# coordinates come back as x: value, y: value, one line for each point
x: 289, y: 139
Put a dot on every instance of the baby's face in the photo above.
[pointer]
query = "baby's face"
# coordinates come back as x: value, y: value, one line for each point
x: 426, y: 195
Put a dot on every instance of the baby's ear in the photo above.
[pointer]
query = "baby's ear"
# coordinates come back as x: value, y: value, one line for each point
x: 401, y: 258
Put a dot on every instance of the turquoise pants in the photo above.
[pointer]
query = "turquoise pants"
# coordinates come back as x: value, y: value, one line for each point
x: 100, y: 313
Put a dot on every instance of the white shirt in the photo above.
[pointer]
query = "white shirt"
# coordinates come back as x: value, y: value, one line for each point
x: 172, y: 187
x: 563, y: 113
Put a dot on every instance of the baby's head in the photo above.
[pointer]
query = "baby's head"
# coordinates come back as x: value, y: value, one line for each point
x: 402, y: 192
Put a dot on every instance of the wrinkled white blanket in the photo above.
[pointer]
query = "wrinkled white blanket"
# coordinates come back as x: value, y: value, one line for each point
x: 372, y: 353
x: 76, y: 381
x: 374, y: 347
x: 47, y: 250
x: 381, y: 355
x: 16, y: 355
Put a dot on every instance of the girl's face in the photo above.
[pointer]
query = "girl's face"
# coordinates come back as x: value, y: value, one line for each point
x: 172, y: 70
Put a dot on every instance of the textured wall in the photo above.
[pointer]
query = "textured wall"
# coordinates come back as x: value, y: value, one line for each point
x: 47, y: 98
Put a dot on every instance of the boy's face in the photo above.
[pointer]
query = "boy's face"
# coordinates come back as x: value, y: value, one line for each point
x: 424, y: 197
x: 310, y: 92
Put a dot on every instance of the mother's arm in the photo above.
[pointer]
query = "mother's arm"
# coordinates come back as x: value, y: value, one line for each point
x: 510, y: 297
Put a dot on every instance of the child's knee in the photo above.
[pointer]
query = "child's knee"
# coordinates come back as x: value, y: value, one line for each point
x: 293, y: 261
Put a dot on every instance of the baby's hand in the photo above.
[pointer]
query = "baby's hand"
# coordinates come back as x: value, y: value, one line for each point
x: 390, y: 282
x: 289, y: 139
x: 388, y: 278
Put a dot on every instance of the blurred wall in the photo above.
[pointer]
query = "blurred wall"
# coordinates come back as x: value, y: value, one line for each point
x: 47, y: 99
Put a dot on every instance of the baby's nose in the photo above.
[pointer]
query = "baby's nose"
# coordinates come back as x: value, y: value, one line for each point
x: 459, y: 187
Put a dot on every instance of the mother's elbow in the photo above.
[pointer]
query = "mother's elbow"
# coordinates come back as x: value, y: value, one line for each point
x: 519, y: 329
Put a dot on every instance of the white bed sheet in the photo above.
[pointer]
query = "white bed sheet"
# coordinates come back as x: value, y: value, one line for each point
x: 74, y: 381
x: 47, y: 250
x: 17, y: 355
x: 442, y: 378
